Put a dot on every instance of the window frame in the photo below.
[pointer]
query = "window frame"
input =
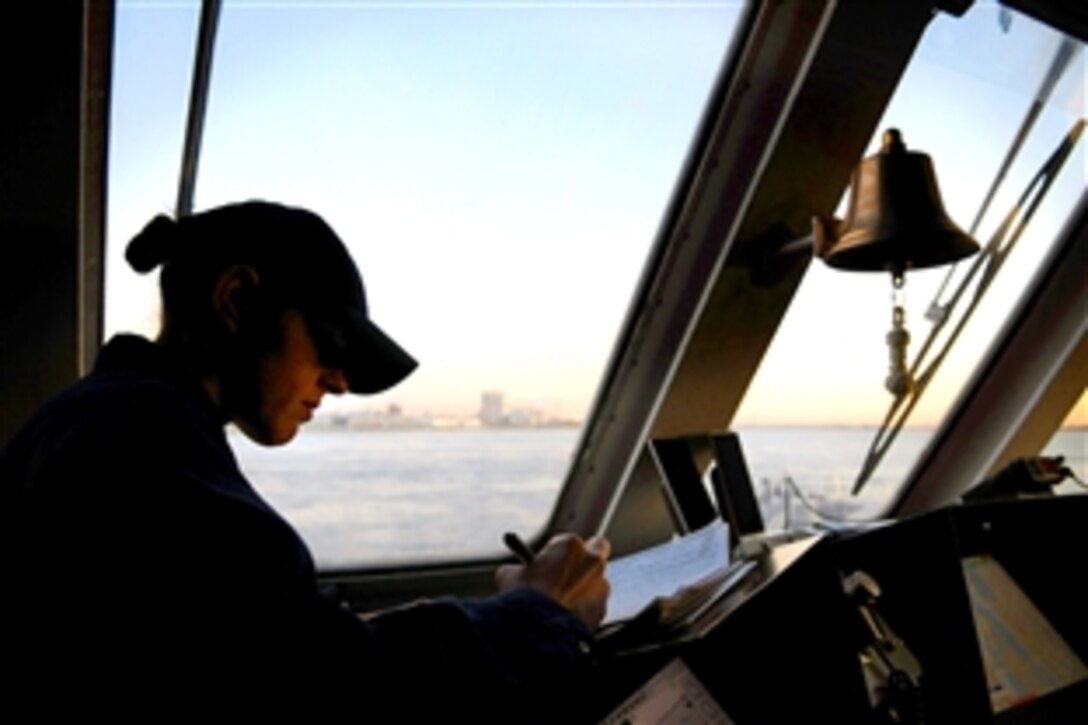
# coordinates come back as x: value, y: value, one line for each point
x: 760, y: 167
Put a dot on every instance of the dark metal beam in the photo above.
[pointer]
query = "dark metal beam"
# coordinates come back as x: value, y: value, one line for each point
x: 98, y: 18
x: 198, y: 103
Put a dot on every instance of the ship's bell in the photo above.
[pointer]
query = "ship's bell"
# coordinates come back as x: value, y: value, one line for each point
x: 895, y: 220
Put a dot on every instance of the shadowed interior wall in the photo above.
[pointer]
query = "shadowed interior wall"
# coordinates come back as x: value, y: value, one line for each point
x: 39, y: 204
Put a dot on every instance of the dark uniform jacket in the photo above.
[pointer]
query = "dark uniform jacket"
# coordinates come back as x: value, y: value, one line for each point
x: 143, y: 571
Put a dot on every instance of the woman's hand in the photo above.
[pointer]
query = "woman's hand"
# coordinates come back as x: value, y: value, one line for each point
x: 571, y: 571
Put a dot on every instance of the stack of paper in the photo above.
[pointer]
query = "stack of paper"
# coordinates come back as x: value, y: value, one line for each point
x: 675, y: 581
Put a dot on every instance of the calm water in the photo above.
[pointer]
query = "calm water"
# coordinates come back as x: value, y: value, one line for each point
x: 367, y: 496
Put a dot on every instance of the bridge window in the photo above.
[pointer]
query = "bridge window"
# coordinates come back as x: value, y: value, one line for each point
x: 499, y: 171
x: 812, y: 412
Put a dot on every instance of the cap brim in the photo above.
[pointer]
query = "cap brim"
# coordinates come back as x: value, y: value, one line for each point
x: 373, y: 360
x: 370, y: 359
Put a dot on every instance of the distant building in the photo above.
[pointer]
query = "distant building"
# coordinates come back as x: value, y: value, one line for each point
x: 491, y: 404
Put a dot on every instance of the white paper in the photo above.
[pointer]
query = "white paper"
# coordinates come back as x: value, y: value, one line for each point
x: 674, y: 696
x: 663, y: 570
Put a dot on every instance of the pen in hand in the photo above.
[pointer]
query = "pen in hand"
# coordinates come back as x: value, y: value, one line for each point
x: 519, y: 547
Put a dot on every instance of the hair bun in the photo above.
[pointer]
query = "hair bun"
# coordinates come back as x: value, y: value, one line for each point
x: 154, y: 245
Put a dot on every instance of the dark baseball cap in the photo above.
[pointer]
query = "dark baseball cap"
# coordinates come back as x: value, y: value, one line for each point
x: 301, y: 261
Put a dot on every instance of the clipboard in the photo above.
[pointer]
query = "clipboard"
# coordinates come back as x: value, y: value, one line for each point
x: 664, y: 590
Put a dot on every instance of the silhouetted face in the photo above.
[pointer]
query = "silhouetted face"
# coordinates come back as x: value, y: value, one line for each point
x: 285, y: 386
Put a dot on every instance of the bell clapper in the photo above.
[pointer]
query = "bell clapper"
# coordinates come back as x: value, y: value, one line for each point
x: 898, y: 382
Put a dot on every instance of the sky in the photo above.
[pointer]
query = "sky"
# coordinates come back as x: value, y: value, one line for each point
x: 500, y: 171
